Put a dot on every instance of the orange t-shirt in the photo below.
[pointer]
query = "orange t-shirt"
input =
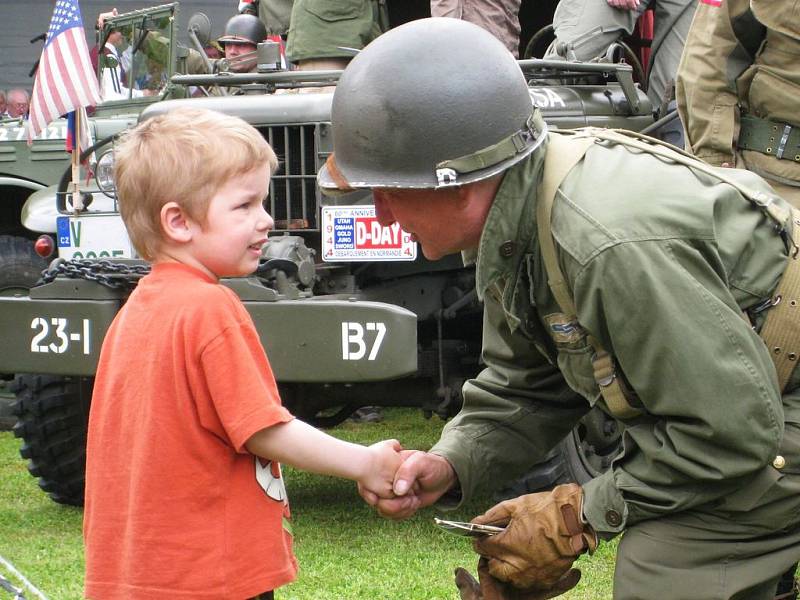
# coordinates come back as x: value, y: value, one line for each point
x: 175, y: 505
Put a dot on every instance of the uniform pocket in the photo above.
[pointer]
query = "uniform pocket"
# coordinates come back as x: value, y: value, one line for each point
x: 723, y: 124
x: 779, y: 16
x: 774, y: 97
x: 575, y: 364
x: 334, y: 11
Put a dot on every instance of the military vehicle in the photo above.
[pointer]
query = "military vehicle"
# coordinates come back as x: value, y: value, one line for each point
x: 343, y: 306
x: 27, y: 168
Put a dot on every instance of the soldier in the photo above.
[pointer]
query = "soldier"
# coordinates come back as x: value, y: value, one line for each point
x: 274, y: 14
x: 648, y: 300
x: 321, y: 32
x: 239, y: 43
x: 738, y: 84
x: 498, y: 17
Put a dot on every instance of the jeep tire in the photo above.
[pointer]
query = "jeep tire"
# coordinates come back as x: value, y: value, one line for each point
x: 52, y: 414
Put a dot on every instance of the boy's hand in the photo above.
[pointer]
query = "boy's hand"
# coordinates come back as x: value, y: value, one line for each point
x: 379, y: 475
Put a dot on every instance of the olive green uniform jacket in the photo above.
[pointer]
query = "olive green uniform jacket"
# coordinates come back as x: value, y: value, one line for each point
x: 659, y: 269
x: 319, y: 28
x: 742, y: 57
x: 275, y: 15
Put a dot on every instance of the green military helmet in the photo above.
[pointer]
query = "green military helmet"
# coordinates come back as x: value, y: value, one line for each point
x: 243, y: 29
x: 435, y: 102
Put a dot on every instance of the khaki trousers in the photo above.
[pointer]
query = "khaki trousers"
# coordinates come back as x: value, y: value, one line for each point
x: 498, y: 17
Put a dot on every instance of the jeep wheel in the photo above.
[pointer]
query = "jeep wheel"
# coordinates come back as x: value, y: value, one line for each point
x: 52, y: 414
x: 20, y: 266
x: 585, y: 453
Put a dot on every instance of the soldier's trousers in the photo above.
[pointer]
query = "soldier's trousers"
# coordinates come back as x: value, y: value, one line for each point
x: 698, y: 557
x: 498, y: 17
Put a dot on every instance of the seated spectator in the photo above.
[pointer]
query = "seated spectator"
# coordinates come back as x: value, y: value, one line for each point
x: 18, y: 103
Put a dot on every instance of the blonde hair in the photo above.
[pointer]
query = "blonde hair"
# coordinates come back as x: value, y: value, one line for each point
x: 182, y: 156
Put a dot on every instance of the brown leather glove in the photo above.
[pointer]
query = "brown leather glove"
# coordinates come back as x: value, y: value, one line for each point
x: 543, y: 537
x: 490, y: 588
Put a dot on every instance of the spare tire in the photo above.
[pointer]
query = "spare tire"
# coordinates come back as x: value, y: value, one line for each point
x: 52, y: 415
x: 20, y: 266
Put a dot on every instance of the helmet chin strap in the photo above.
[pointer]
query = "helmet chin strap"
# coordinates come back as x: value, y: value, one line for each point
x: 247, y: 59
x: 525, y: 140
x: 342, y: 185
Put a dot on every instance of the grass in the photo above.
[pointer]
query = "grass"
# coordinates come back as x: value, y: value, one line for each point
x: 345, y: 550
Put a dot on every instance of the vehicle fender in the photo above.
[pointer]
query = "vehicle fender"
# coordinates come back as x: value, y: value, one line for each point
x: 40, y: 211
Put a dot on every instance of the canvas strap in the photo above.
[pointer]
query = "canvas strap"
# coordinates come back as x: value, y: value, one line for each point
x: 562, y: 156
x: 781, y: 330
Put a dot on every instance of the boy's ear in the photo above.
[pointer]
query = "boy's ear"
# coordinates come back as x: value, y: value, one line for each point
x: 175, y: 223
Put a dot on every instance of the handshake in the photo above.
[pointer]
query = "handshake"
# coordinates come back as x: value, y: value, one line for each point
x: 531, y: 559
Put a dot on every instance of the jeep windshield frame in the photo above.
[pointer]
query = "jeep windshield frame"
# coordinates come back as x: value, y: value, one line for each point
x: 149, y: 51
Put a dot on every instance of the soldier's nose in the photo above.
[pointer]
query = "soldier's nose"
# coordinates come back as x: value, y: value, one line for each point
x: 382, y: 211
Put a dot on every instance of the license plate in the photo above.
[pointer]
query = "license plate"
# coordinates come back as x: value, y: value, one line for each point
x: 93, y: 236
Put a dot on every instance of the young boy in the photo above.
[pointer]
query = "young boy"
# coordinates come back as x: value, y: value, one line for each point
x: 184, y: 497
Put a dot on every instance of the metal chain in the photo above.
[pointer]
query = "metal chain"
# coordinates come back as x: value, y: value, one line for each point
x: 104, y: 272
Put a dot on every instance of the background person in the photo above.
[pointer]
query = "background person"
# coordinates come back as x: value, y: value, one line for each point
x: 319, y: 31
x: 738, y: 88
x: 589, y: 27
x: 498, y: 17
x: 644, y: 318
x: 18, y: 103
x: 184, y: 494
x: 274, y: 14
x: 240, y: 42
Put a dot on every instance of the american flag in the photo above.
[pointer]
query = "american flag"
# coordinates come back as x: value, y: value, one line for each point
x: 65, y: 80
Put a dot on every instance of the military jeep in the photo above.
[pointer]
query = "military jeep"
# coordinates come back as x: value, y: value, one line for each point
x: 343, y: 306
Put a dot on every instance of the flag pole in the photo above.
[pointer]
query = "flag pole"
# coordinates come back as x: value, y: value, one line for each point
x: 77, y: 200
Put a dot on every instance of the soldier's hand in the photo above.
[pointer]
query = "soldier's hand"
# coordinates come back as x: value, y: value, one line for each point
x: 624, y: 4
x: 490, y: 588
x: 419, y: 482
x: 543, y: 536
x: 102, y: 17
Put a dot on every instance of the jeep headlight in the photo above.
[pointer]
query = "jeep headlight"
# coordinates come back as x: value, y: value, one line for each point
x: 104, y: 174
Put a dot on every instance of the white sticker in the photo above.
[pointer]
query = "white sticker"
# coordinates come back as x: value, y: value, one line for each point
x: 357, y: 339
x: 352, y: 233
x: 546, y: 98
x: 57, y: 334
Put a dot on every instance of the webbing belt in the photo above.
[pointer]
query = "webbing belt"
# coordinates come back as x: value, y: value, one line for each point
x: 781, y: 331
x: 781, y: 140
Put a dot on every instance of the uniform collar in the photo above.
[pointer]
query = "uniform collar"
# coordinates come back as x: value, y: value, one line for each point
x: 510, y: 224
